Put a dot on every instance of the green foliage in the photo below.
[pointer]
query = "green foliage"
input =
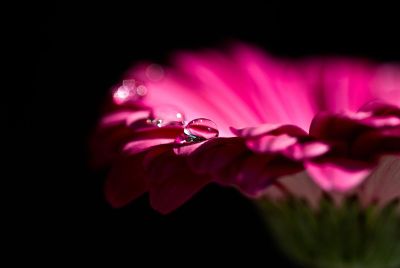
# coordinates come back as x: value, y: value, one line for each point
x: 346, y: 236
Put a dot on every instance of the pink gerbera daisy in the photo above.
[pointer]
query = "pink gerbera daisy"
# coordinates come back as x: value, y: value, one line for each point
x: 245, y: 119
x: 303, y: 139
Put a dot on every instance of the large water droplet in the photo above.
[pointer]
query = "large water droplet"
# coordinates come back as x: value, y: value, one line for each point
x: 130, y: 90
x: 202, y: 128
x: 198, y: 130
x: 166, y: 115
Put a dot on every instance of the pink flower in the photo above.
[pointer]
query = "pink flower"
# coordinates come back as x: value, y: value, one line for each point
x: 245, y: 119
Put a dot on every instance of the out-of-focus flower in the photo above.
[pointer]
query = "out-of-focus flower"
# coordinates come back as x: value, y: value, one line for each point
x: 245, y: 119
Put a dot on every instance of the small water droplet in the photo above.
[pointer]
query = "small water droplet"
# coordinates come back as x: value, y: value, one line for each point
x: 198, y: 130
x: 202, y: 128
x: 166, y: 115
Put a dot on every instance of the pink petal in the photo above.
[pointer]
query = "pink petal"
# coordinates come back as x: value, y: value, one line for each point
x: 222, y: 82
x: 115, y: 119
x: 335, y: 127
x: 376, y: 142
x: 254, y: 173
x: 187, y: 149
x: 138, y: 146
x: 107, y: 144
x: 270, y: 129
x: 307, y: 150
x: 251, y: 176
x: 254, y: 131
x: 172, y: 182
x: 339, y: 176
x: 277, y: 85
x: 385, y: 84
x: 271, y: 144
x: 137, y: 116
x: 158, y: 132
x: 381, y: 108
x: 202, y: 84
x: 383, y: 185
x: 300, y: 185
x: 215, y: 154
x: 346, y: 84
x: 382, y: 121
x: 126, y: 181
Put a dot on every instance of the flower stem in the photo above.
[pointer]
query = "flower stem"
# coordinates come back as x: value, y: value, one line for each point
x: 346, y: 236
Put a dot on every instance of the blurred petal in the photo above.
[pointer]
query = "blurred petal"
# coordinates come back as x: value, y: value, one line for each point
x: 171, y: 180
x: 270, y: 143
x: 126, y: 181
x: 306, y: 150
x: 215, y: 154
x: 270, y: 129
x: 383, y: 185
x: 335, y: 127
x: 377, y: 142
x: 135, y: 147
x: 380, y: 108
x: 338, y: 175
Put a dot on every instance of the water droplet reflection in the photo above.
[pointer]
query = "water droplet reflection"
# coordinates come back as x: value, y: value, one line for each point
x: 198, y: 130
x: 202, y: 127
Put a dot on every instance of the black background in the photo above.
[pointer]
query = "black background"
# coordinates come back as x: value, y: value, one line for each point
x: 71, y: 56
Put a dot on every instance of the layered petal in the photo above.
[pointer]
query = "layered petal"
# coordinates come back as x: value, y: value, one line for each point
x: 339, y: 174
x: 358, y: 140
x: 171, y: 181
x: 126, y: 180
x: 262, y: 107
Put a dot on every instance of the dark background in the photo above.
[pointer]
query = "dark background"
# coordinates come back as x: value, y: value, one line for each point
x: 70, y: 57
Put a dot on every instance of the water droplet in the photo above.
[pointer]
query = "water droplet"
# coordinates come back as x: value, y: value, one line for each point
x: 198, y: 130
x: 166, y: 115
x: 202, y: 128
x: 130, y: 90
x: 187, y: 139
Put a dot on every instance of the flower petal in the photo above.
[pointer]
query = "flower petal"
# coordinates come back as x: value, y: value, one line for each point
x: 384, y: 184
x: 346, y: 84
x: 187, y: 149
x: 270, y: 129
x: 126, y: 181
x: 380, y: 108
x: 335, y: 127
x: 271, y: 144
x: 215, y: 154
x: 306, y: 150
x: 338, y: 175
x: 138, y: 146
x: 171, y: 181
x: 107, y: 144
x: 377, y: 142
x: 278, y: 85
x: 253, y: 173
